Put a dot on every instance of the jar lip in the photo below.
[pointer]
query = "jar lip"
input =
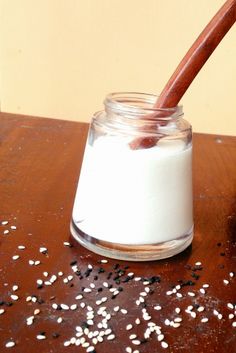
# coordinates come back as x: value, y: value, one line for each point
x: 139, y: 103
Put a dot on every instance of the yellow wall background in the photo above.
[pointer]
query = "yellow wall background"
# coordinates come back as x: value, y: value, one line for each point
x: 59, y: 58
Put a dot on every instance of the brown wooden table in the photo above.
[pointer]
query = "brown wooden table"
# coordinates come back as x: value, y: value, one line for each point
x: 40, y: 163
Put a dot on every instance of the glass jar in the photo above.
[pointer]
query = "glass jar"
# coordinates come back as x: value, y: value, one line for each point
x: 134, y: 196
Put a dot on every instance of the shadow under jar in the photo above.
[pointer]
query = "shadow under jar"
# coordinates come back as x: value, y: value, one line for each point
x: 134, y: 196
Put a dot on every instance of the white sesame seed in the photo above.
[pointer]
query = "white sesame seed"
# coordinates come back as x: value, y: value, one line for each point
x: 205, y: 319
x: 79, y: 296
x: 219, y: 316
x: 231, y: 316
x: 130, y: 274
x: 31, y: 262
x: 90, y: 349
x: 147, y: 317
x: 64, y: 307
x: 34, y: 299
x: 136, y: 342
x: 15, y: 287
x: 128, y: 349
x: 160, y: 337
x: 30, y: 320
x: 4, y: 223
x: 10, y: 344
x: 87, y: 290
x: 123, y: 311
x: 100, y: 339
x: 73, y: 307
x: 191, y: 294
x: 39, y: 282
x: 77, y: 342
x: 231, y: 274
x: 60, y: 273
x: 53, y: 278
x: 67, y: 343
x: 164, y: 344
x: 111, y: 337
x: 200, y: 309
x: 202, y: 290
x: 36, y: 311
x: 66, y: 243
x: 230, y: 306
x: 179, y: 295
x: 2, y: 311
x: 48, y: 283
x: 193, y: 314
x: 45, y: 274
x: 28, y: 299
x: 21, y: 247
x: 167, y: 322
x: 14, y: 297
x: 85, y: 344
x: 72, y: 340
x: 177, y: 310
x: 143, y: 294
x: 176, y: 324
x: 215, y: 312
x: 198, y: 263
x: 13, y: 227
x: 104, y: 261
x: 137, y: 279
x: 15, y: 257
x: 190, y: 307
x: 37, y: 262
x: 59, y: 320
x: 129, y: 327
x: 41, y: 337
x: 225, y: 281
x: 206, y: 285
x: 42, y: 249
x: 157, y: 307
x: 82, y: 340
x: 234, y: 324
x: 6, y: 231
x: 137, y: 302
x: 133, y: 336
x: 137, y: 321
x: 178, y: 287
x: 178, y: 319
x: 82, y: 305
x: 169, y: 292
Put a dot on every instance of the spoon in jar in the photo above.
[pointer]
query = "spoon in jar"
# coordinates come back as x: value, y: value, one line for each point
x: 190, y: 65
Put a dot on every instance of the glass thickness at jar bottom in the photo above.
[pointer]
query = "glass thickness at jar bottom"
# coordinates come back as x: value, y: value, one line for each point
x: 147, y: 252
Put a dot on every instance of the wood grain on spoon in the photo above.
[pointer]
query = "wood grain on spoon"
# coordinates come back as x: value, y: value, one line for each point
x: 192, y: 63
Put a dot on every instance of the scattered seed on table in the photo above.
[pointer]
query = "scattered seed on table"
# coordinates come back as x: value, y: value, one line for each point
x: 111, y: 337
x: 4, y: 223
x: 231, y: 316
x: 15, y: 287
x: 164, y: 344
x: 200, y: 309
x: 2, y: 311
x: 129, y: 327
x: 67, y: 343
x: 234, y: 324
x: 128, y: 349
x: 10, y: 344
x: 230, y: 306
x: 15, y: 257
x: 13, y: 227
x: 137, y: 321
x: 14, y: 297
x: 41, y: 337
x: 21, y: 247
x: 225, y: 281
x: 59, y: 320
x: 6, y: 231
x: 204, y: 319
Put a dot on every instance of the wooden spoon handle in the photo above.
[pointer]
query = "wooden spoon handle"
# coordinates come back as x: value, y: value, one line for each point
x: 197, y: 55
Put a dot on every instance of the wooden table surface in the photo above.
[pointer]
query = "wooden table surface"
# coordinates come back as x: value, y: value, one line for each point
x: 40, y: 163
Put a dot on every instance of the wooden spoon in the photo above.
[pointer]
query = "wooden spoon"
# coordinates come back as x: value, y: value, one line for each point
x: 191, y: 64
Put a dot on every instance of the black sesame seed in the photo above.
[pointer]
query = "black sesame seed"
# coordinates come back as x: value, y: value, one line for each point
x: 110, y: 286
x: 120, y: 289
x: 101, y: 270
x: 2, y: 302
x: 95, y: 278
x: 39, y: 286
x: 222, y: 254
x: 194, y: 275
x: 100, y: 289
x: 8, y: 303
x: 87, y: 272
x: 118, y: 281
x: 115, y: 278
x: 74, y: 262
x: 72, y: 285
x: 116, y: 266
x: 40, y: 301
x: 55, y: 334
x: 109, y: 275
x: 219, y: 244
x: 126, y: 267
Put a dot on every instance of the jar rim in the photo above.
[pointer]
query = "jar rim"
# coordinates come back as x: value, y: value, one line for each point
x: 141, y: 104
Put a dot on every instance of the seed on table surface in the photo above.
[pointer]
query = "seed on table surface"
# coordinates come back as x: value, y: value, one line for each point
x: 14, y: 297
x: 15, y: 257
x: 10, y: 344
x: 6, y: 231
x: 41, y: 337
x: 15, y: 287
x: 111, y: 337
x: 2, y: 311
x: 21, y: 247
x: 164, y: 344
x: 4, y: 223
x: 205, y: 319
x: 129, y: 327
x: 13, y: 227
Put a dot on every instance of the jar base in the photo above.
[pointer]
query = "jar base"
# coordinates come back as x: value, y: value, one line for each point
x: 136, y: 252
